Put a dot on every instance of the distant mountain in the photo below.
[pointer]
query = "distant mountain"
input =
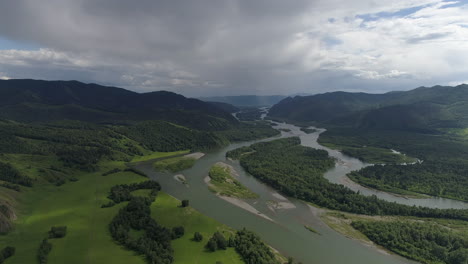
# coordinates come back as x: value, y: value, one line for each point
x: 36, y: 101
x: 226, y: 107
x: 420, y: 109
x: 246, y: 100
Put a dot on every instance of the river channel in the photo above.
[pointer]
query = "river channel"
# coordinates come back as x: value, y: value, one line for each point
x: 285, y: 229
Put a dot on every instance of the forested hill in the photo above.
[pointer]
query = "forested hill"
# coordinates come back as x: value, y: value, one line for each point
x: 226, y: 107
x: 35, y: 100
x: 419, y: 109
x: 246, y: 100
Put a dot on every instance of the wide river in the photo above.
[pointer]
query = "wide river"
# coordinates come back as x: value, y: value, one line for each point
x: 285, y: 230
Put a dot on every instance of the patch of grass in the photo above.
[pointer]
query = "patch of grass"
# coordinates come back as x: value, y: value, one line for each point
x: 77, y: 206
x: 341, y: 223
x: 167, y: 212
x: 174, y: 164
x: 223, y: 183
x: 158, y: 155
x: 142, y: 193
x: 311, y: 229
x: 372, y: 155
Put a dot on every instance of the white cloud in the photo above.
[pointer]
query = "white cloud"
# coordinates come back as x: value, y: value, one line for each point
x: 373, y: 75
x: 428, y: 43
x: 456, y: 83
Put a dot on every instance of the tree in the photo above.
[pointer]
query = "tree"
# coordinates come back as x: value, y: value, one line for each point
x: 197, y: 237
x: 217, y: 241
x: 178, y: 232
x: 212, y: 245
x: 8, y: 252
x: 185, y: 203
x: 220, y: 240
x: 43, y: 252
x: 459, y: 256
x: 57, y: 232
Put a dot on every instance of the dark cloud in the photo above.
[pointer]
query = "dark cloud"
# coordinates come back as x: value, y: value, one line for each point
x: 201, y: 47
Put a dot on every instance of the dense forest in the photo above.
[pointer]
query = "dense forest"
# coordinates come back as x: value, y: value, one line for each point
x: 427, y: 243
x: 252, y: 249
x: 249, y: 131
x: 441, y: 172
x: 250, y: 114
x: 164, y: 136
x: 81, y: 145
x: 45, y: 101
x: 438, y: 179
x: 297, y: 171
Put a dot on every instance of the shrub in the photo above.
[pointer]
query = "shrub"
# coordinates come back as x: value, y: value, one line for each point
x: 197, y: 237
x: 43, y: 252
x: 57, y: 232
x: 178, y: 232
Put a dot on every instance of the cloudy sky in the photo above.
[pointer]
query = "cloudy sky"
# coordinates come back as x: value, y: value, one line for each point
x: 232, y: 47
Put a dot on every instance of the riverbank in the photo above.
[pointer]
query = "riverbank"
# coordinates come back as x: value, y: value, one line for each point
x: 344, y: 223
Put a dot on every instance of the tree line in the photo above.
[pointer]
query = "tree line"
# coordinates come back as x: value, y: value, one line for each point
x: 442, y: 172
x: 249, y: 246
x: 297, y: 171
x: 155, y: 242
x: 427, y: 243
x: 9, y: 174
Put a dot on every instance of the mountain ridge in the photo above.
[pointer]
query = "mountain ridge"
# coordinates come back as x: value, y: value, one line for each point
x: 28, y: 100
x: 423, y: 108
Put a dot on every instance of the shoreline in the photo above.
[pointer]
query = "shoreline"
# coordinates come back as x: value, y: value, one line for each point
x: 195, y: 155
x: 238, y: 202
x: 244, y: 205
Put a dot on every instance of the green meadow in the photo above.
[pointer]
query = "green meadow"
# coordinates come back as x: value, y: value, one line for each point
x: 167, y: 212
x: 77, y: 205
x: 223, y: 183
x: 174, y: 164
x: 158, y: 155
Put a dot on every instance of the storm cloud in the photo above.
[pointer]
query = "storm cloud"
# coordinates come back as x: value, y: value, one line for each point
x: 222, y: 47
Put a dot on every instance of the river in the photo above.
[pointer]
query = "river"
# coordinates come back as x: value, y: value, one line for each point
x: 286, y: 231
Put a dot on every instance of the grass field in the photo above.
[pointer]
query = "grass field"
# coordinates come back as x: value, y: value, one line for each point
x: 167, y: 212
x: 174, y: 164
x: 158, y: 155
x: 77, y: 205
x: 223, y: 183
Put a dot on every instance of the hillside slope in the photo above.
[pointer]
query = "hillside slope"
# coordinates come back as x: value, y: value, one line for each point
x: 34, y: 100
x: 246, y: 100
x: 419, y: 109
